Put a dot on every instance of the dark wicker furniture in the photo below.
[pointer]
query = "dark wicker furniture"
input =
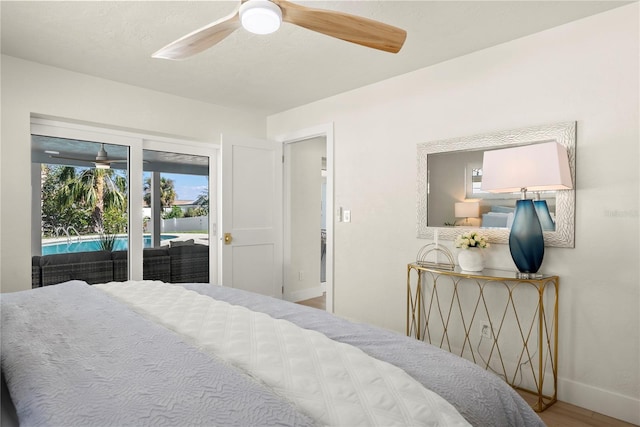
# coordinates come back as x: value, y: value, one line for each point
x: 181, y: 264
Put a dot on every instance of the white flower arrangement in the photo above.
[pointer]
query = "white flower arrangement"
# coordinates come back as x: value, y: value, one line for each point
x: 471, y: 239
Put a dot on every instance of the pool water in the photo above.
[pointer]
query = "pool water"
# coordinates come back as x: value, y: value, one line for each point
x: 93, y: 244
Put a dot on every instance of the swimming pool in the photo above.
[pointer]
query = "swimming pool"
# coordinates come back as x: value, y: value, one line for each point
x: 93, y: 244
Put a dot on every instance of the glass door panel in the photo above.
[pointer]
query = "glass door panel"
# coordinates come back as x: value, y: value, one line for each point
x: 176, y: 217
x: 79, y: 209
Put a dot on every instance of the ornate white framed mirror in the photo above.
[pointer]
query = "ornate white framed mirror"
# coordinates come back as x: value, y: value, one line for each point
x: 450, y: 173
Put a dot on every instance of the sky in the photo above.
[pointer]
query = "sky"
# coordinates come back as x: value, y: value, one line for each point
x: 188, y: 187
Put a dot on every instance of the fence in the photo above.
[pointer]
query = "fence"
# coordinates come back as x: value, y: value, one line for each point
x: 177, y: 225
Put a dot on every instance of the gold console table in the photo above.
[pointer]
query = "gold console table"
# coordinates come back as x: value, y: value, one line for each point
x: 505, y: 324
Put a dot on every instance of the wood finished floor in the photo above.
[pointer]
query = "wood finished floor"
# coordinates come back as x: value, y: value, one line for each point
x: 560, y: 414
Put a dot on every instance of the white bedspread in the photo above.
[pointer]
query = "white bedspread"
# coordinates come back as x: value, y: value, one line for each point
x: 335, y: 383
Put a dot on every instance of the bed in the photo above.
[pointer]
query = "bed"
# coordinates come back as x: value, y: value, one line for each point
x: 151, y: 353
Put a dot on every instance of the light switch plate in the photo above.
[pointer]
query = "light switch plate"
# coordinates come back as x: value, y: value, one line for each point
x: 346, y: 216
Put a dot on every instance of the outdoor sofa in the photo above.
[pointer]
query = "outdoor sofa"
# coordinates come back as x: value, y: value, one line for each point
x: 177, y: 264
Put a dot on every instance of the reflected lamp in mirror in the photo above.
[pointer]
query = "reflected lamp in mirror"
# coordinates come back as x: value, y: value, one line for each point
x: 544, y: 216
x: 467, y: 210
x: 536, y: 167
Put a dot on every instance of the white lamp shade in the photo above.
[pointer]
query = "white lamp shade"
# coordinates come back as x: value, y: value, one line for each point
x: 467, y: 209
x: 535, y: 167
x: 260, y: 16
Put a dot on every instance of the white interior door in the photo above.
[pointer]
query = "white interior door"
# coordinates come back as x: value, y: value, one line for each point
x: 251, y: 215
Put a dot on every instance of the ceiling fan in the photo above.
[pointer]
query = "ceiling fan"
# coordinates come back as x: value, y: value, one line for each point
x: 101, y: 161
x: 265, y: 16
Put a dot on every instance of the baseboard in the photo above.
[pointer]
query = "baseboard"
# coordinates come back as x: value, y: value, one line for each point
x: 605, y: 402
x: 305, y: 294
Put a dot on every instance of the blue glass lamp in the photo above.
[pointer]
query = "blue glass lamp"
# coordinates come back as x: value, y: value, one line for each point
x: 536, y: 167
x: 542, y: 209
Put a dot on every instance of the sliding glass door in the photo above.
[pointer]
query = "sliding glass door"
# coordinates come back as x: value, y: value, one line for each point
x: 176, y: 217
x: 109, y: 205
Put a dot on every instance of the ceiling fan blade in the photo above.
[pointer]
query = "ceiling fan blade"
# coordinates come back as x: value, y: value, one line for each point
x: 79, y: 159
x: 200, y: 39
x: 351, y: 28
x: 118, y: 161
x: 90, y: 160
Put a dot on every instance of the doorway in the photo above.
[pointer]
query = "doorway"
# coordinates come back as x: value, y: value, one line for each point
x: 308, y: 222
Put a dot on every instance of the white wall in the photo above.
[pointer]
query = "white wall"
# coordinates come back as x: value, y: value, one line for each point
x: 30, y: 88
x: 585, y: 71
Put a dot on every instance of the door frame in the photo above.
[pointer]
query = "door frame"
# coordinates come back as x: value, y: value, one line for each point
x: 326, y: 131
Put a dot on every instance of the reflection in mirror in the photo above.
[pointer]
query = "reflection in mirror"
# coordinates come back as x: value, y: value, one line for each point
x: 455, y: 179
x: 450, y: 177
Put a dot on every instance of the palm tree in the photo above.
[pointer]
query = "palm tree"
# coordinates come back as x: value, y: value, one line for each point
x: 53, y: 178
x: 98, y: 189
x: 203, y: 202
x: 167, y: 192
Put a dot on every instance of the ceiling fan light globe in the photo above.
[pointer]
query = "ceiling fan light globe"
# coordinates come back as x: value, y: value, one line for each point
x: 103, y: 166
x: 260, y: 16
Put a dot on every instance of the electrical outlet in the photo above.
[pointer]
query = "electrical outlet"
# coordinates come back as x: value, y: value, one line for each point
x: 485, y: 329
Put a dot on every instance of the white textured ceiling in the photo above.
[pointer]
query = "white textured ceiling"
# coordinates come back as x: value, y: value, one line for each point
x: 115, y: 39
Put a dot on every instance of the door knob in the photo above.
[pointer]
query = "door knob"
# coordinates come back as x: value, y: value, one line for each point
x: 227, y: 238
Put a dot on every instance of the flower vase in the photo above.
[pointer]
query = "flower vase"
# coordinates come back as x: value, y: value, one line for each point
x: 471, y: 259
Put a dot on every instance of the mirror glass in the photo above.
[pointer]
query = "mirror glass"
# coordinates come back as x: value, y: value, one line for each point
x: 449, y: 186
